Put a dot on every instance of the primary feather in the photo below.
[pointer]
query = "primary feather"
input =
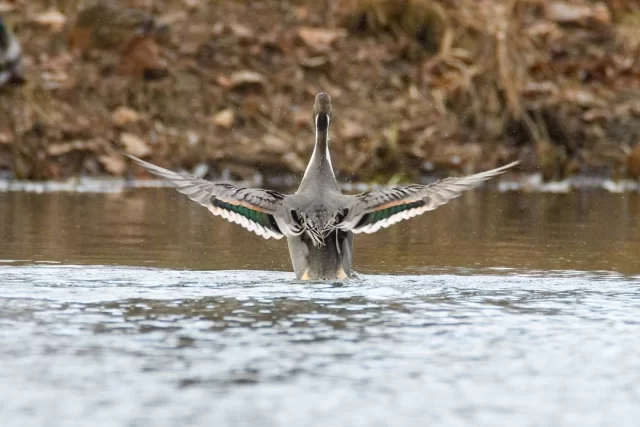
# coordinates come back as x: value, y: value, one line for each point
x: 253, y: 209
x: 374, y: 210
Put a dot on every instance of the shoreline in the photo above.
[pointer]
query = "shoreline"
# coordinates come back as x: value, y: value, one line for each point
x: 526, y: 183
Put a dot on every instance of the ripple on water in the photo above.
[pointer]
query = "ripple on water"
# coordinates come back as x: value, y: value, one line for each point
x: 134, y: 346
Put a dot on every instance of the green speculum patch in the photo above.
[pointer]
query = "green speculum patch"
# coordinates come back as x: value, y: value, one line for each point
x: 258, y: 217
x: 373, y: 217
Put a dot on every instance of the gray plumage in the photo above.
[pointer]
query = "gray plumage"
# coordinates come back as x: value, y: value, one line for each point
x: 318, y: 220
x: 11, y: 70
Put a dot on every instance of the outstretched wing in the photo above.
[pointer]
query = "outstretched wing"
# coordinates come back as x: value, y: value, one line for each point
x: 374, y: 210
x: 254, y: 209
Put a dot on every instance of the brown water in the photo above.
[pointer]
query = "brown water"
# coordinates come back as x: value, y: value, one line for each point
x: 155, y: 227
x: 140, y: 309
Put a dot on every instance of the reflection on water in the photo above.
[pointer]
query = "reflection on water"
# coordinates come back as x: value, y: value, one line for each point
x: 582, y: 231
x: 152, y: 319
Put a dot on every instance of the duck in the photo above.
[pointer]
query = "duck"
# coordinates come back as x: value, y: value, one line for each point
x: 11, y: 70
x: 318, y: 220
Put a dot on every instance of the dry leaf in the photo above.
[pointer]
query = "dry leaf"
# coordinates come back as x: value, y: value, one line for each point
x: 134, y: 145
x: 536, y: 88
x: 67, y: 147
x: 601, y: 14
x: 57, y: 64
x: 596, y: 114
x: 192, y: 137
x: 6, y: 137
x: 122, y: 116
x: 317, y: 62
x: 246, y: 78
x: 193, y: 4
x: 320, y: 39
x: 51, y: 81
x: 578, y: 13
x: 53, y: 19
x: 224, y: 118
x: 223, y: 81
x: 543, y: 28
x: 113, y: 164
x: 243, y: 32
x: 59, y: 149
x: 7, y: 7
x: 141, y: 57
x: 582, y: 97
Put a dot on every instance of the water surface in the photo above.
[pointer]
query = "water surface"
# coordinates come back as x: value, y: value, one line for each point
x: 139, y: 309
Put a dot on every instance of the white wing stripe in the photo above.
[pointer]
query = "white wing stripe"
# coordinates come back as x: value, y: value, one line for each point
x: 245, y: 223
x: 372, y: 228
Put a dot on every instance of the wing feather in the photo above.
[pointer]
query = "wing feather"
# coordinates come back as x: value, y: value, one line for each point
x: 256, y: 210
x: 374, y: 210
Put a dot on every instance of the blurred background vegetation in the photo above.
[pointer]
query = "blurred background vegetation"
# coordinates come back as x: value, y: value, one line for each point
x: 417, y: 85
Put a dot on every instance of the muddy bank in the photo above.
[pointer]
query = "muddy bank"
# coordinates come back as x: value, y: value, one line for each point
x: 417, y: 86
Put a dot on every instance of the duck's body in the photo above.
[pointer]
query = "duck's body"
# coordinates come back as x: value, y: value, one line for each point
x: 329, y: 261
x: 318, y: 220
x: 324, y: 251
x: 10, y: 57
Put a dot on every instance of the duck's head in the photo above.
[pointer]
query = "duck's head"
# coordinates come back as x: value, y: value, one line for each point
x: 322, y: 112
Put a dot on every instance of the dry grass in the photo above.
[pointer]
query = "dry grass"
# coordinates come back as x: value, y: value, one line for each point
x: 513, y: 70
x: 464, y: 84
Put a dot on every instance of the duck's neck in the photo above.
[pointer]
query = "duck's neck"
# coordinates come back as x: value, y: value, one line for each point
x: 320, y: 171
